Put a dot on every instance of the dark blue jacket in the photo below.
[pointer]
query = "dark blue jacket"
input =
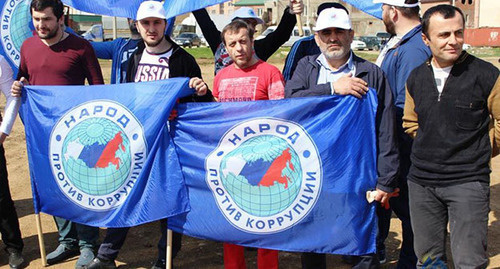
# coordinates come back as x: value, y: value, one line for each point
x: 302, y: 47
x: 304, y: 83
x: 399, y: 61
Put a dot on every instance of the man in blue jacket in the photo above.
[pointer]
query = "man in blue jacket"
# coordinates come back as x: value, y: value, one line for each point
x: 403, y: 52
x: 337, y: 71
x: 119, y: 51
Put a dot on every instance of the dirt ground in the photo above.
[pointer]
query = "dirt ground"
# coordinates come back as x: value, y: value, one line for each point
x: 140, y: 248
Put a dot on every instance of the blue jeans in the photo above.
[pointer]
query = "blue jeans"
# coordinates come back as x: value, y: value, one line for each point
x: 76, y: 235
x: 465, y: 206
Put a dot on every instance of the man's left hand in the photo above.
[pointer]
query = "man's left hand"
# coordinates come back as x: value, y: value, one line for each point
x: 296, y: 7
x: 198, y: 85
x: 383, y: 197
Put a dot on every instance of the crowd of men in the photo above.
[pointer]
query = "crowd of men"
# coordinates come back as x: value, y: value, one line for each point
x: 437, y: 120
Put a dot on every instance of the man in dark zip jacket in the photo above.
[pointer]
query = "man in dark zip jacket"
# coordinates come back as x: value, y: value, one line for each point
x: 156, y: 58
x: 451, y: 101
x: 337, y: 71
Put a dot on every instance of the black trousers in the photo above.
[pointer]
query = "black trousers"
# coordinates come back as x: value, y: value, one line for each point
x: 400, y: 205
x: 9, y: 224
x: 318, y: 261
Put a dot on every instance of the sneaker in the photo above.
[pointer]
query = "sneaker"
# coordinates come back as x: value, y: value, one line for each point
x: 16, y: 260
x: 159, y: 264
x: 61, y: 253
x: 86, y: 257
x: 98, y: 263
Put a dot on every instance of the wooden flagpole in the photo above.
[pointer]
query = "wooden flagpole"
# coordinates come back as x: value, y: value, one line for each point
x: 169, y: 249
x: 41, y: 241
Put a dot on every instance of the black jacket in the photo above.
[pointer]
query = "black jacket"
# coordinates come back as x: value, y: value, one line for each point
x: 304, y: 83
x: 181, y: 64
x: 451, y: 144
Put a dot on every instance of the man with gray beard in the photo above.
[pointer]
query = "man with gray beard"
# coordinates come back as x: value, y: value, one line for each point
x: 337, y: 71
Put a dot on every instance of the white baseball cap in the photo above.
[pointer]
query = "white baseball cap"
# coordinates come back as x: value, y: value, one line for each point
x: 333, y: 18
x: 247, y: 13
x: 151, y: 9
x: 396, y: 3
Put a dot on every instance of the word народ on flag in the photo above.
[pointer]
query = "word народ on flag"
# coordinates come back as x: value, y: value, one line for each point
x: 288, y: 174
x: 101, y: 155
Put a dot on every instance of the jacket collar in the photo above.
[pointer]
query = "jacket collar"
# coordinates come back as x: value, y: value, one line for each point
x: 415, y: 31
x: 463, y: 56
x: 360, y: 64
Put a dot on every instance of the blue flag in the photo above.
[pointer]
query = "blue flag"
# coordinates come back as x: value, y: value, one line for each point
x: 367, y: 6
x: 128, y: 8
x: 16, y: 25
x: 289, y: 175
x: 101, y: 155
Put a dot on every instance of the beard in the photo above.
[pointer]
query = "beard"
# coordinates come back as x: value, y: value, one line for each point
x: 51, y: 34
x: 389, y: 26
x: 152, y: 44
x: 335, y: 54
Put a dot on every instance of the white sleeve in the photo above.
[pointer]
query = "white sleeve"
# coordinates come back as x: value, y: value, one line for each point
x: 13, y: 103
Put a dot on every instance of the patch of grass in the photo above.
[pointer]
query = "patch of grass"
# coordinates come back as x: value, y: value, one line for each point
x: 484, y: 52
x: 372, y: 57
x: 201, y: 52
x: 280, y: 54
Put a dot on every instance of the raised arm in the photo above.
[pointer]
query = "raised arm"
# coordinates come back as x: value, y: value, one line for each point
x: 208, y: 28
x: 267, y: 46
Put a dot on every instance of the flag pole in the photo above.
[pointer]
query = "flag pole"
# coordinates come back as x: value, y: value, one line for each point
x: 299, y: 25
x: 299, y: 20
x: 169, y: 249
x: 41, y: 242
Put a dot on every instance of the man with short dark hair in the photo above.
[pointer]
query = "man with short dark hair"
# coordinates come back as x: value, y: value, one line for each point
x: 119, y: 51
x: 404, y: 51
x: 157, y: 57
x: 451, y: 100
x: 54, y: 57
x: 264, y: 48
x: 337, y: 71
x: 246, y: 79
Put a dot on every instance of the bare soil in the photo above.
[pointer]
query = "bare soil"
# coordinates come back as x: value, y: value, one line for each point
x: 140, y: 248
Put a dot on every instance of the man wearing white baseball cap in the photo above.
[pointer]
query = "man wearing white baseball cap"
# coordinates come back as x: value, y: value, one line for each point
x: 156, y: 58
x: 402, y: 53
x: 337, y: 71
